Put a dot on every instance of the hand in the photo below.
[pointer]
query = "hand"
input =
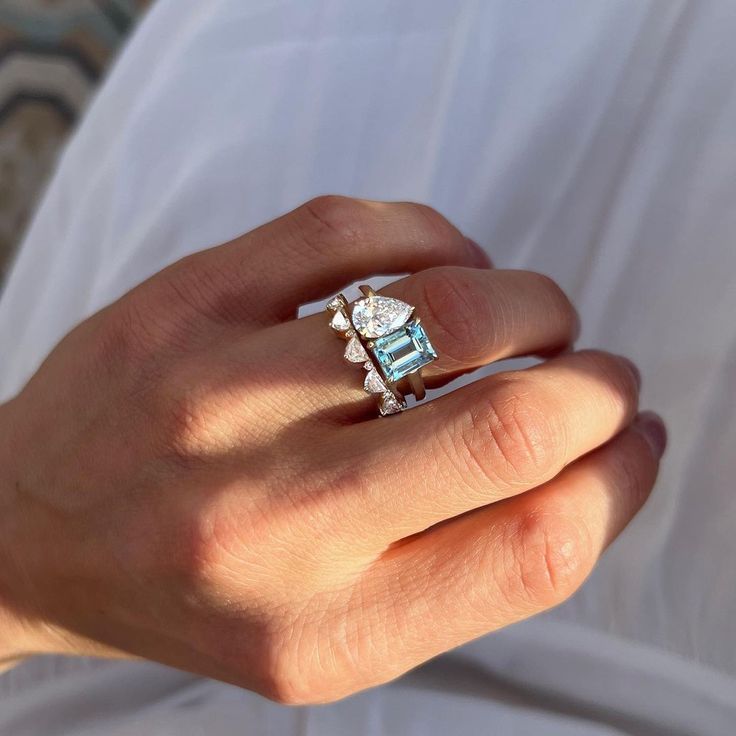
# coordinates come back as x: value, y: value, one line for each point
x: 194, y: 475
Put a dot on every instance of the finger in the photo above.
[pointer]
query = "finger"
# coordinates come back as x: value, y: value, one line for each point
x: 511, y: 560
x: 472, y: 316
x: 496, y: 438
x: 264, y: 276
x: 475, y: 317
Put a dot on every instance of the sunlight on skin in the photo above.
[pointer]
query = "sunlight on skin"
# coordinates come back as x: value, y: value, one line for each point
x: 211, y: 488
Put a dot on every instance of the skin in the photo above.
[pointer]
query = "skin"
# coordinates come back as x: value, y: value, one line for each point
x: 194, y: 476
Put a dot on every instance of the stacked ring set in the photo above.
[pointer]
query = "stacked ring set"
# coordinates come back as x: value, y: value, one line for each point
x: 388, y: 341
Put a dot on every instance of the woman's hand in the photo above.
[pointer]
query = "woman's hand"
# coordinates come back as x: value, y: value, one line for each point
x: 194, y: 475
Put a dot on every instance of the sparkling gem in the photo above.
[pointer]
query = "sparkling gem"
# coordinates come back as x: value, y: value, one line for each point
x: 404, y: 351
x: 390, y: 404
x: 355, y: 352
x: 375, y: 316
x: 368, y: 365
x: 337, y: 302
x: 340, y: 322
x: 373, y: 383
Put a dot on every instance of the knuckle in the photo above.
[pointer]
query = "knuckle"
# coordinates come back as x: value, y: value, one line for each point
x: 160, y: 314
x: 131, y: 347
x: 292, y: 675
x: 460, y: 313
x: 508, y: 438
x: 548, y: 555
x: 205, y: 284
x: 328, y: 221
x: 135, y: 337
x: 283, y: 686
x: 284, y: 693
x: 122, y: 338
x: 276, y: 668
x: 195, y: 280
x: 429, y: 224
x: 184, y: 420
x: 331, y: 221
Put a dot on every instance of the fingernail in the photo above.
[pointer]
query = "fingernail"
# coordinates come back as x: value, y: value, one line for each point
x: 481, y: 258
x: 652, y: 428
x: 634, y: 370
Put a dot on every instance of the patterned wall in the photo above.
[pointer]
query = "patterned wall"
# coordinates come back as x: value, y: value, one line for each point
x: 52, y: 55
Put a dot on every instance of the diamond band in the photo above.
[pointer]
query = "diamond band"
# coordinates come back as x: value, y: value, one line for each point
x: 391, y: 347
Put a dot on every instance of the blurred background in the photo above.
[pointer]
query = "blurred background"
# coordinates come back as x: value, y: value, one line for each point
x: 53, y: 54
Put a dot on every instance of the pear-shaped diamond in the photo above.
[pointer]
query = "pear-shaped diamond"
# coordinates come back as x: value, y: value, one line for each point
x: 373, y: 383
x: 355, y: 352
x: 340, y: 322
x: 375, y: 316
x: 390, y: 404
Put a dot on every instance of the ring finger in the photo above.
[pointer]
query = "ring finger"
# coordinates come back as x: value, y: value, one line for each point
x: 472, y: 316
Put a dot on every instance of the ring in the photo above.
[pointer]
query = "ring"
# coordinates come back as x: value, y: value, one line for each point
x: 383, y: 335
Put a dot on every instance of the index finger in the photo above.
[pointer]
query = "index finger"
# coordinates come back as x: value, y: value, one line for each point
x: 264, y: 276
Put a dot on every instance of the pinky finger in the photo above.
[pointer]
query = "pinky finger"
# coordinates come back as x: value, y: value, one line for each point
x: 505, y: 562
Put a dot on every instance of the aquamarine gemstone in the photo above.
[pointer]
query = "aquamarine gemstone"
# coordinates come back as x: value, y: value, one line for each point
x: 404, y: 351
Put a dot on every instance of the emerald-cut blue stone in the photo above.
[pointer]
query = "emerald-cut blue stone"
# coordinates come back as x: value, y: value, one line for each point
x: 404, y: 351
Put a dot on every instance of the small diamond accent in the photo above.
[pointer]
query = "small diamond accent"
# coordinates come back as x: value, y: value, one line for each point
x: 375, y: 316
x: 355, y: 352
x: 390, y: 404
x: 340, y: 322
x: 337, y: 302
x: 368, y: 365
x: 373, y: 383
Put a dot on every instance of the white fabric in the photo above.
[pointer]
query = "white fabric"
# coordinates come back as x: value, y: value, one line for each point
x: 590, y: 140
